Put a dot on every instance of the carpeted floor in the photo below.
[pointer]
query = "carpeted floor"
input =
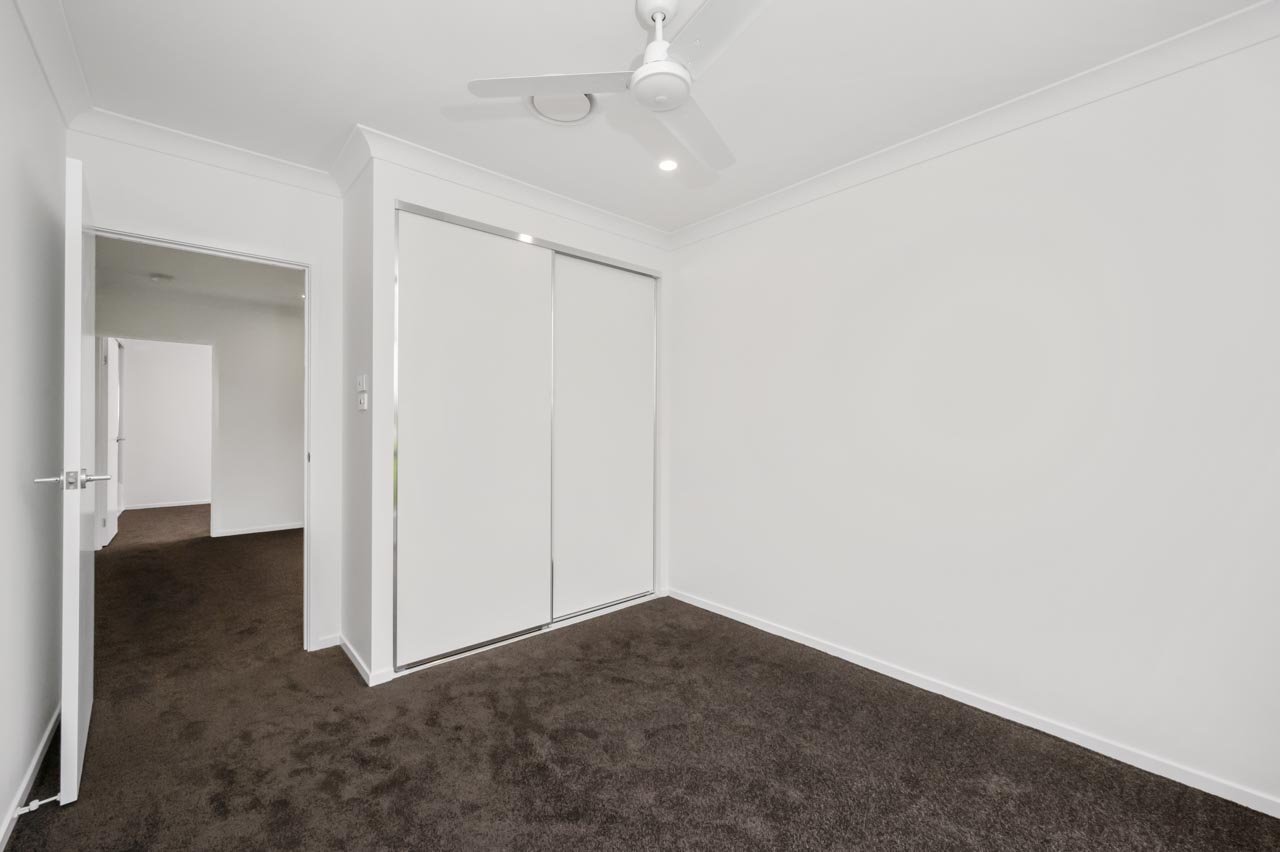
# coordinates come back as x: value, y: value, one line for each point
x: 661, y: 726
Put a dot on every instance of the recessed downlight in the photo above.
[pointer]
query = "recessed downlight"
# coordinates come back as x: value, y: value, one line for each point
x: 524, y: 238
x: 668, y: 165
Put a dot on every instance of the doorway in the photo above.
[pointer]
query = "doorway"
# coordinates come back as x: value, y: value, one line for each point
x: 210, y: 378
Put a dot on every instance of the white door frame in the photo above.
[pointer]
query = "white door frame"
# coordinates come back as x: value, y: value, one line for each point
x: 107, y: 448
x: 308, y: 587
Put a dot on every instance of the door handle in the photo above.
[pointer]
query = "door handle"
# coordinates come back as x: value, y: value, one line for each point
x: 69, y: 480
x: 73, y: 479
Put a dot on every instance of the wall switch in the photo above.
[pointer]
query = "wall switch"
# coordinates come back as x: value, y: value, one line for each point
x: 362, y: 401
x: 362, y: 382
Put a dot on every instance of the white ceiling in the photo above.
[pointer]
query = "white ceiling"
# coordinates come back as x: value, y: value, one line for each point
x: 125, y: 263
x: 813, y: 84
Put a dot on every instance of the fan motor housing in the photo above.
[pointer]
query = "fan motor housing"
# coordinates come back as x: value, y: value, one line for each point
x: 662, y: 85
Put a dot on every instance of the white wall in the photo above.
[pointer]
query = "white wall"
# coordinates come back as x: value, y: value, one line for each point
x: 168, y: 401
x: 1005, y: 423
x: 32, y: 167
x: 258, y: 396
x: 136, y: 190
x: 357, y: 584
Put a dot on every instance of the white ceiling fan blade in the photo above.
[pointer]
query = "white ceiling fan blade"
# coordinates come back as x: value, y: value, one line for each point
x: 633, y: 120
x: 690, y: 125
x: 713, y: 26
x: 551, y: 84
x: 486, y: 111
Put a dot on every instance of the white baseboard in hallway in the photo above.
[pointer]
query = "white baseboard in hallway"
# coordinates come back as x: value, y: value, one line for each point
x: 172, y: 505
x: 1250, y: 798
x: 296, y: 525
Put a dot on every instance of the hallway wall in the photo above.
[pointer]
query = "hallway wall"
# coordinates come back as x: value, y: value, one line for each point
x: 32, y: 176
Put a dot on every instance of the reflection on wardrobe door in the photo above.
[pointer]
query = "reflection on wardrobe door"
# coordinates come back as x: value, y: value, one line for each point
x: 603, y: 435
x: 474, y: 478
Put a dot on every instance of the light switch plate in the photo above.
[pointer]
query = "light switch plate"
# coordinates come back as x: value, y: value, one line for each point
x: 362, y: 401
x: 362, y: 382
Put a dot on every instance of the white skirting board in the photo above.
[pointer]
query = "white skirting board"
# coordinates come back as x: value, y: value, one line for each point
x: 29, y: 779
x: 331, y: 641
x: 357, y: 661
x: 296, y: 525
x: 170, y: 505
x: 1246, y: 796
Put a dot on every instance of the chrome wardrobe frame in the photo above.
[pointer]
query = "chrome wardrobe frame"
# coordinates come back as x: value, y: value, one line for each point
x: 557, y: 249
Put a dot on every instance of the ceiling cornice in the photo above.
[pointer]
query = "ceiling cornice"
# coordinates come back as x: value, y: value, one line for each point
x: 46, y: 26
x: 1250, y: 26
x: 352, y: 159
x: 391, y: 149
x: 165, y: 140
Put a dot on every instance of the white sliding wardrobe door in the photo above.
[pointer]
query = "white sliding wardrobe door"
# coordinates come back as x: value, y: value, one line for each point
x: 603, y: 435
x: 474, y: 428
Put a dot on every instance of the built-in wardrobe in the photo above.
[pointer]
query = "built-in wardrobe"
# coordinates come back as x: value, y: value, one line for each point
x: 525, y: 390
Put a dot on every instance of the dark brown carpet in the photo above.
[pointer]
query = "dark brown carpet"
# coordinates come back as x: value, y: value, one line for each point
x: 661, y: 726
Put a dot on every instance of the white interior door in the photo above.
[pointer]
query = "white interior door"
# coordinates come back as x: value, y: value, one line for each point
x: 603, y: 435
x: 78, y: 439
x: 474, y: 373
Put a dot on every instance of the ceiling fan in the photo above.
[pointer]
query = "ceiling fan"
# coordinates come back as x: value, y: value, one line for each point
x: 664, y: 80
